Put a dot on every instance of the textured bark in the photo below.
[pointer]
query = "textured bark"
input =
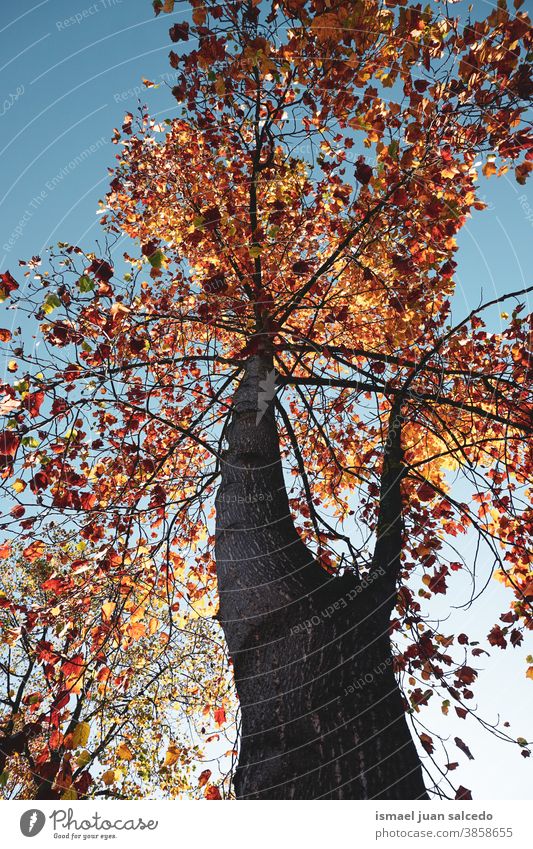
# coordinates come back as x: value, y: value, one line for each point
x: 322, y: 715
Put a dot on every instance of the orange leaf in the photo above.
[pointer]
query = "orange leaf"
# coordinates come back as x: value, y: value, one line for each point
x: 35, y: 550
x: 204, y: 777
x: 220, y: 716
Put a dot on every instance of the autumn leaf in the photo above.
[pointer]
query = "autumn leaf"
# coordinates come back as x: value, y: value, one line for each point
x: 124, y: 752
x: 463, y: 793
x: 33, y: 402
x: 179, y: 32
x: 83, y: 758
x: 8, y: 284
x: 466, y: 675
x: 363, y: 172
x: 110, y: 777
x: 101, y: 270
x: 212, y: 792
x: 70, y: 794
x: 425, y: 492
x: 220, y: 716
x: 34, y: 550
x: 80, y: 735
x: 204, y: 777
x: 173, y: 755
x: 464, y: 748
x: 489, y: 167
x: 107, y: 609
x: 427, y: 743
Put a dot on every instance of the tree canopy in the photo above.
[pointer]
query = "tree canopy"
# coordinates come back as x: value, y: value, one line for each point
x: 303, y: 206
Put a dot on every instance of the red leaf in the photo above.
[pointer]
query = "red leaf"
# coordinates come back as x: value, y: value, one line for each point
x: 33, y: 402
x: 204, y: 777
x: 179, y: 32
x: 212, y: 792
x: 363, y: 172
x: 9, y: 442
x: 150, y: 248
x: 211, y: 218
x: 467, y: 675
x: 87, y: 500
x: 301, y: 267
x: 215, y: 284
x: 464, y: 748
x: 101, y: 270
x: 39, y: 482
x: 34, y: 550
x: 425, y: 492
x: 220, y: 716
x: 83, y: 783
x: 463, y: 793
x: 497, y: 637
x: 437, y: 582
x: 8, y: 284
x: 427, y: 743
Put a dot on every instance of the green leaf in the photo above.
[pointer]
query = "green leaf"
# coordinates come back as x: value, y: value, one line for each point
x: 157, y: 259
x: 85, y: 284
x: 51, y: 303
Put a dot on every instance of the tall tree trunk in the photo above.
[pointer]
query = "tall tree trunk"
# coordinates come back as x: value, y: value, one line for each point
x: 322, y: 714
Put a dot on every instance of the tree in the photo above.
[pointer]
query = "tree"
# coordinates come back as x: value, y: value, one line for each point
x: 90, y: 662
x: 294, y: 353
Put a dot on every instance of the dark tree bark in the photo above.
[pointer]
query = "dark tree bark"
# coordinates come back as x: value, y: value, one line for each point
x: 322, y: 714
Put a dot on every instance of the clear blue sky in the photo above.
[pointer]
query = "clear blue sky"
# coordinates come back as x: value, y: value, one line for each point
x: 65, y: 85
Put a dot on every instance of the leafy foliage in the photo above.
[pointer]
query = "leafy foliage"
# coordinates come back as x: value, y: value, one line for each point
x: 305, y: 202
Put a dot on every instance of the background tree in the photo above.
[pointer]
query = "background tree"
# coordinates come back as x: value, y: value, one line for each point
x: 299, y: 225
x: 100, y: 684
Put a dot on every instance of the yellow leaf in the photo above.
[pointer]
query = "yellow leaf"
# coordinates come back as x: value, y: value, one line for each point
x: 18, y: 485
x: 80, y: 735
x: 83, y: 758
x: 124, y: 753
x: 107, y: 609
x: 172, y: 756
x: 69, y: 794
x: 529, y: 673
